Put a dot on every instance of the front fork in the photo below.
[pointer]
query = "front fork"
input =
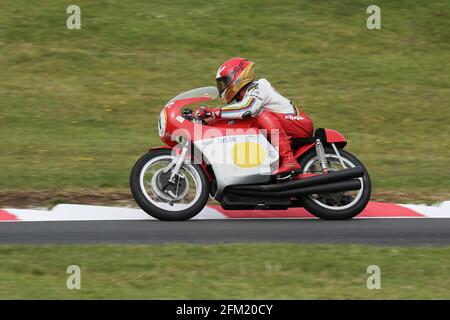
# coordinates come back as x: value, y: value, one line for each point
x: 177, y: 161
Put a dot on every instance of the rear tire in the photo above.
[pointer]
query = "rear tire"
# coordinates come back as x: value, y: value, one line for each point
x: 327, y: 212
x: 142, y: 198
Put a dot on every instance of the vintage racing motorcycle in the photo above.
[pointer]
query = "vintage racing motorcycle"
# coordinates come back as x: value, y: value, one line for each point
x: 232, y: 162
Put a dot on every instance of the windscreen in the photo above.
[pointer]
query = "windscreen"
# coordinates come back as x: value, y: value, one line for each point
x: 210, y: 92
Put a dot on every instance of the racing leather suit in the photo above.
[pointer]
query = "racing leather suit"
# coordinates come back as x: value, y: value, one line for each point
x: 273, y: 112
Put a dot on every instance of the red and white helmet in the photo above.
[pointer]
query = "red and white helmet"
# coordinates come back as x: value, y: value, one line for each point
x: 232, y: 76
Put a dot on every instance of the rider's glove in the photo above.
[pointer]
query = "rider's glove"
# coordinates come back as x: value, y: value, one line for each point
x: 187, y: 114
x: 204, y: 113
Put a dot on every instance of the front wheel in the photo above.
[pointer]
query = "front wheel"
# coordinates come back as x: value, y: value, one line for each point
x: 339, y: 205
x: 176, y: 200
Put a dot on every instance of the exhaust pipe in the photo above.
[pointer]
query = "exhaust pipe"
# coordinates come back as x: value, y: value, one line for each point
x: 354, y: 184
x: 321, y: 180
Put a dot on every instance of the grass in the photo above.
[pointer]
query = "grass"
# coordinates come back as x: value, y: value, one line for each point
x: 78, y: 107
x: 238, y: 271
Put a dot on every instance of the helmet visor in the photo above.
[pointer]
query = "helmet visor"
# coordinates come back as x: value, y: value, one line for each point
x: 223, y: 83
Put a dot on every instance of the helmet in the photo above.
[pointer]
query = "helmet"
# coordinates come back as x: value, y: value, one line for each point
x: 232, y: 76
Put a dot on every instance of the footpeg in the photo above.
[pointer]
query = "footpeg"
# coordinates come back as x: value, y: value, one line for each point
x: 288, y: 175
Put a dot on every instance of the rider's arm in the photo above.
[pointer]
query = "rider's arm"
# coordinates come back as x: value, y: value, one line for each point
x: 243, y: 109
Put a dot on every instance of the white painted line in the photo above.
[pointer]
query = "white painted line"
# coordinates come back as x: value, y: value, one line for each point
x: 74, y: 212
x: 430, y: 211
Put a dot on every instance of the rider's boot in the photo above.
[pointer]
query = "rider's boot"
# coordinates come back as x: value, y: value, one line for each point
x: 288, y: 165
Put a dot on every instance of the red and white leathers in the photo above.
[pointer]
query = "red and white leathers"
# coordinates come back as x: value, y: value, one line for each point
x: 273, y: 112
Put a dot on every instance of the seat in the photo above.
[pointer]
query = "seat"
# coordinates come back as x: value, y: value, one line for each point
x: 296, y: 143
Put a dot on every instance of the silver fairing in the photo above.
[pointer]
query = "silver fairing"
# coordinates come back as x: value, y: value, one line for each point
x: 238, y: 159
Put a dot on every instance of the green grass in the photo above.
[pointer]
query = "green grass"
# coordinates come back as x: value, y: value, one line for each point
x: 77, y: 108
x: 239, y: 271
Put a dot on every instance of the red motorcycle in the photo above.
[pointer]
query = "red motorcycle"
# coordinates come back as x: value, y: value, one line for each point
x: 232, y: 162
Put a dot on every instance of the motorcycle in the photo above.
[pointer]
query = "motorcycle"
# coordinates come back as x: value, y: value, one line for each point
x: 232, y: 162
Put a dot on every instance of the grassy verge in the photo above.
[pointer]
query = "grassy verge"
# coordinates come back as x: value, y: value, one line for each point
x: 260, y: 271
x: 77, y: 108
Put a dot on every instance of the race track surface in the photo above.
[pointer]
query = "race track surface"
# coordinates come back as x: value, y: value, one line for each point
x: 419, y: 231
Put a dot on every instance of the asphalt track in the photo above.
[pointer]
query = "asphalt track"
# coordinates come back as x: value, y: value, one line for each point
x: 418, y: 231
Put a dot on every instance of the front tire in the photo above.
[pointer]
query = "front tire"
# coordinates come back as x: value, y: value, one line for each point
x: 336, y: 206
x: 148, y: 184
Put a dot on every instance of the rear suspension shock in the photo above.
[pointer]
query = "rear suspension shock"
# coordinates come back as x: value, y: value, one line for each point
x: 320, y: 151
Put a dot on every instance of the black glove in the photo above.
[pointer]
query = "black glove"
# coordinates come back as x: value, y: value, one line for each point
x: 187, y: 114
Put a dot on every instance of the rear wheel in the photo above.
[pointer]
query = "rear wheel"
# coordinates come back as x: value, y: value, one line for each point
x: 341, y: 205
x: 153, y: 191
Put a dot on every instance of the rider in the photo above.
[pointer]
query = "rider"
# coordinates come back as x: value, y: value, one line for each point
x: 257, y: 98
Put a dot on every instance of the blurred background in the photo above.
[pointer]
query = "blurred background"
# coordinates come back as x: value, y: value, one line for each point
x: 78, y: 107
